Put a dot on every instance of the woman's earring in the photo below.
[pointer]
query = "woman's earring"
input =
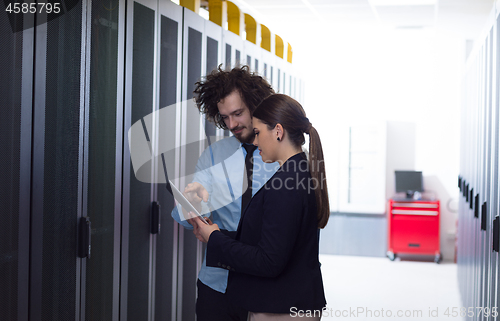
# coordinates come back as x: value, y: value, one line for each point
x: 278, y: 139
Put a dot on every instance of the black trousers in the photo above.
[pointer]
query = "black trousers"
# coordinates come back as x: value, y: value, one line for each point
x: 212, y: 305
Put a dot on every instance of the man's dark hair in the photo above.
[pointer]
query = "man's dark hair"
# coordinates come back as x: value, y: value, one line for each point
x: 220, y: 83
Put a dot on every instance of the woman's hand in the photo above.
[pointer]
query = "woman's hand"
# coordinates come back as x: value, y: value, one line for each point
x: 201, y: 230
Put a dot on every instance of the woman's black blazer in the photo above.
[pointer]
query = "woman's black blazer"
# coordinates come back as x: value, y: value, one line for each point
x: 273, y: 258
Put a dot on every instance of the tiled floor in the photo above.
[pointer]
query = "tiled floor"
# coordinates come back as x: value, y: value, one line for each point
x: 366, y: 288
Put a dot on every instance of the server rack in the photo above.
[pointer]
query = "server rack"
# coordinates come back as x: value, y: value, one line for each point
x: 194, y: 53
x: 15, y: 166
x: 232, y: 46
x: 213, y: 60
x: 67, y: 177
x: 170, y: 54
x: 253, y: 56
x: 57, y: 150
x: 267, y: 63
x: 139, y: 194
x: 477, y: 254
x: 103, y: 152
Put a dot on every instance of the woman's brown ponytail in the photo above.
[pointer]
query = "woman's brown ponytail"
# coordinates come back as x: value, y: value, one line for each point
x: 318, y: 174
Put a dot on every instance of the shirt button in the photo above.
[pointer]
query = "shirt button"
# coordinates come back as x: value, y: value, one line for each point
x: 228, y: 267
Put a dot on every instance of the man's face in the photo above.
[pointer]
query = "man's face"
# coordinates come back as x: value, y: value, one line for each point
x: 236, y: 116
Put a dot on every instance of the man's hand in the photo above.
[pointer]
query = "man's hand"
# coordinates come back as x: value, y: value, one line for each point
x: 195, y: 193
x: 201, y: 230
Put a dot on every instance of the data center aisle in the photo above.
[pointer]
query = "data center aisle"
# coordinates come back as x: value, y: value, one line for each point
x: 369, y: 288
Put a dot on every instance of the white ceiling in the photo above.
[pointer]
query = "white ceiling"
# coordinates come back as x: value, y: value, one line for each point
x: 464, y: 17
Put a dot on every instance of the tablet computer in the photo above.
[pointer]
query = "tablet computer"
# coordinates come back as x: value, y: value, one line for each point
x: 184, y: 202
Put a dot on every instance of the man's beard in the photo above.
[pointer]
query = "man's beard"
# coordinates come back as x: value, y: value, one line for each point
x: 248, y: 139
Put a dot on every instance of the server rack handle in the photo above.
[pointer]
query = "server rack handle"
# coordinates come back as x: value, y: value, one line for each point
x: 84, y: 241
x: 483, y: 216
x: 496, y: 226
x: 155, y: 218
x: 476, y: 207
x: 471, y: 197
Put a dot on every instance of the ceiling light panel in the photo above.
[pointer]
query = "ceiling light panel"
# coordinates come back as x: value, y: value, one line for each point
x: 403, y: 2
x: 340, y: 2
x: 273, y: 3
x: 345, y: 13
x: 466, y: 2
x: 468, y: 9
x: 293, y: 13
x: 401, y: 16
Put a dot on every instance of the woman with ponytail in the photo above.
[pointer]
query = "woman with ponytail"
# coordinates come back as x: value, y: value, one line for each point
x: 274, y: 271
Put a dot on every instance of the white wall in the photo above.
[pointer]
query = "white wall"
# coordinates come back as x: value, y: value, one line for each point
x: 410, y: 76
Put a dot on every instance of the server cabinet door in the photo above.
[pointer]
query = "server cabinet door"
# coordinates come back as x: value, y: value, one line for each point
x: 233, y: 46
x: 57, y: 166
x: 254, y: 56
x: 191, y: 148
x: 266, y: 63
x: 489, y: 148
x: 278, y: 75
x: 494, y: 264
x: 484, y: 178
x: 213, y: 59
x: 476, y: 173
x: 16, y: 68
x: 140, y: 92
x: 169, y: 85
x: 103, y: 158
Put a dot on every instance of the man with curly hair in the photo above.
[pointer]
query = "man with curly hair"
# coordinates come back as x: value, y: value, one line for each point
x: 227, y: 173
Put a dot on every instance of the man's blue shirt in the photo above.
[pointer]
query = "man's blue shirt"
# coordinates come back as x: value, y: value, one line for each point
x: 220, y: 169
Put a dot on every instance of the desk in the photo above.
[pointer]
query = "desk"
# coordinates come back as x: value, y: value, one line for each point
x: 413, y: 228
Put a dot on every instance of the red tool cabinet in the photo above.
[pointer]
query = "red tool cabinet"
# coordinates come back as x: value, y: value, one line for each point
x: 413, y: 228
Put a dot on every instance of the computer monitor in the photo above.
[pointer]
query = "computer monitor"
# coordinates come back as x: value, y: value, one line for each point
x: 409, y: 182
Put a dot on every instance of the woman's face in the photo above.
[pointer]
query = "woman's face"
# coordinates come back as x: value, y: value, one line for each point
x: 265, y: 140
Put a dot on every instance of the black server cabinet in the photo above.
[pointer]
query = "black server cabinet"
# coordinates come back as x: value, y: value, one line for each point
x: 57, y: 154
x: 149, y: 255
x: 137, y: 256
x: 194, y: 44
x: 16, y: 86
x: 102, y: 187
x: 169, y: 84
